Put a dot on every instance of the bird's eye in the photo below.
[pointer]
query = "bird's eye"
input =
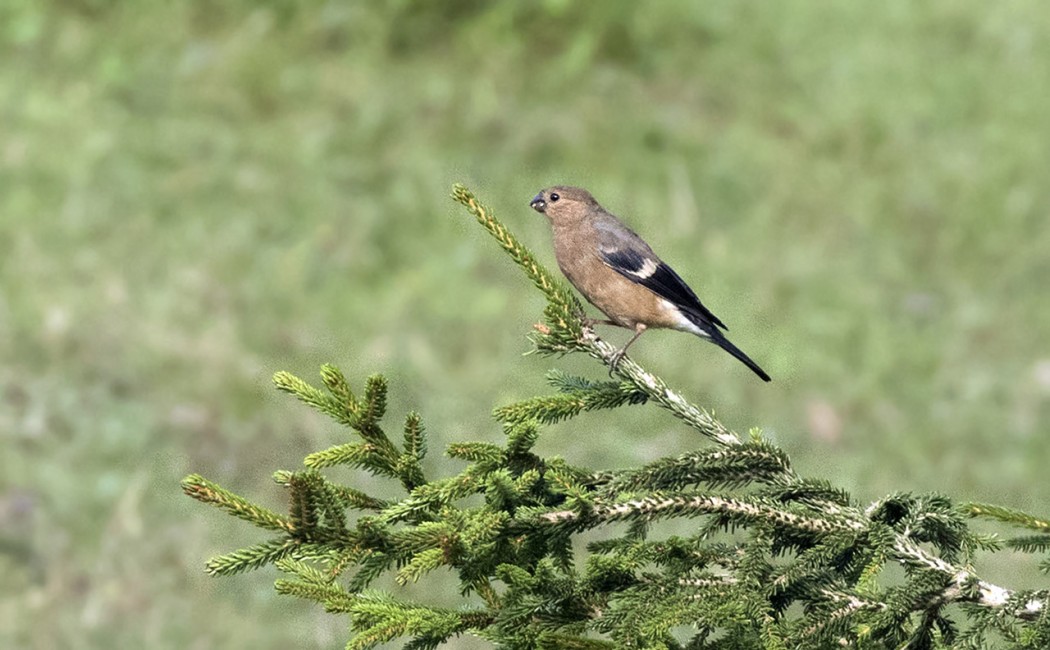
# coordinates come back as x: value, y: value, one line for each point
x: 554, y: 197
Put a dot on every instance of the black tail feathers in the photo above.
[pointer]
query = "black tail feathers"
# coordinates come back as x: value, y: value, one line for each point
x: 721, y: 341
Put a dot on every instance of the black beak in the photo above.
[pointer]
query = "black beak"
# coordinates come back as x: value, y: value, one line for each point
x: 538, y: 204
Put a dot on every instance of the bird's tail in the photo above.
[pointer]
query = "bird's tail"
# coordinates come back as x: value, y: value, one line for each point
x: 721, y: 341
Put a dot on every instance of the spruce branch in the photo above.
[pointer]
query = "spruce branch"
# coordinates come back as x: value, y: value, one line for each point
x: 205, y: 491
x: 576, y: 396
x: 686, y: 505
x: 315, y: 585
x: 415, y: 449
x: 336, y: 383
x: 564, y: 312
x: 752, y: 462
x: 250, y: 558
x: 355, y: 454
x: 1007, y: 515
x: 358, y: 500
x: 566, y: 317
x: 769, y: 559
x: 657, y: 390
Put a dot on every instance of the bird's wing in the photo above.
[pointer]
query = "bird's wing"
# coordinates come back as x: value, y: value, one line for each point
x: 626, y: 253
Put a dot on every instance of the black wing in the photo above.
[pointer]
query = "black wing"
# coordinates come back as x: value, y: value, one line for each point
x: 659, y: 278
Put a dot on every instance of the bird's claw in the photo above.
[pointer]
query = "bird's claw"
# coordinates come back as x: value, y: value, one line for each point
x: 614, y: 361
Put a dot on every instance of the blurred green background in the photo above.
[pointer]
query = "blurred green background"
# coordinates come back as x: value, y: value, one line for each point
x: 194, y: 195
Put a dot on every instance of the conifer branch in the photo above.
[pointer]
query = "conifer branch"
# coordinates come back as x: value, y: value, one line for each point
x: 679, y: 505
x: 250, y: 558
x: 334, y: 599
x: 564, y: 311
x: 658, y: 391
x: 1007, y: 515
x: 358, y: 500
x: 773, y: 560
x: 205, y: 491
x: 566, y: 316
x: 752, y: 462
x: 569, y: 404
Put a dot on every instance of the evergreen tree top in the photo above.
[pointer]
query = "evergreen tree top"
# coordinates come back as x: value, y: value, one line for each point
x: 774, y: 560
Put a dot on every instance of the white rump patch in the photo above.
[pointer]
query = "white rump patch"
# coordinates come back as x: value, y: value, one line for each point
x: 681, y: 322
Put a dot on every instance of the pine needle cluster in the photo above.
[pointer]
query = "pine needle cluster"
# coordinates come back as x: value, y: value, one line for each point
x: 771, y: 559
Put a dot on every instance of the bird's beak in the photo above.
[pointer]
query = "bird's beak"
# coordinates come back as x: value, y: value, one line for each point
x: 538, y: 204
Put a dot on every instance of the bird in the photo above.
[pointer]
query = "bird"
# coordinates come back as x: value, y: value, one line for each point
x: 617, y: 272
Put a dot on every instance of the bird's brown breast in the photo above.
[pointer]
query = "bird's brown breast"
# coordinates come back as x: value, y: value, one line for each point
x: 622, y: 300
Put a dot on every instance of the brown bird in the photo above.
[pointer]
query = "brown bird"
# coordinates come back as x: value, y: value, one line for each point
x: 617, y: 272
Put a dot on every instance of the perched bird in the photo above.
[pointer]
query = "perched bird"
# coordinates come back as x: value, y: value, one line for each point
x: 618, y: 273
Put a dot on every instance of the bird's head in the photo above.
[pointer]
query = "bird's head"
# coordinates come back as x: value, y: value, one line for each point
x: 562, y: 203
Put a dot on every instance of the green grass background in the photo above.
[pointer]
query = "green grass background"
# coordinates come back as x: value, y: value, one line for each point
x: 194, y: 195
